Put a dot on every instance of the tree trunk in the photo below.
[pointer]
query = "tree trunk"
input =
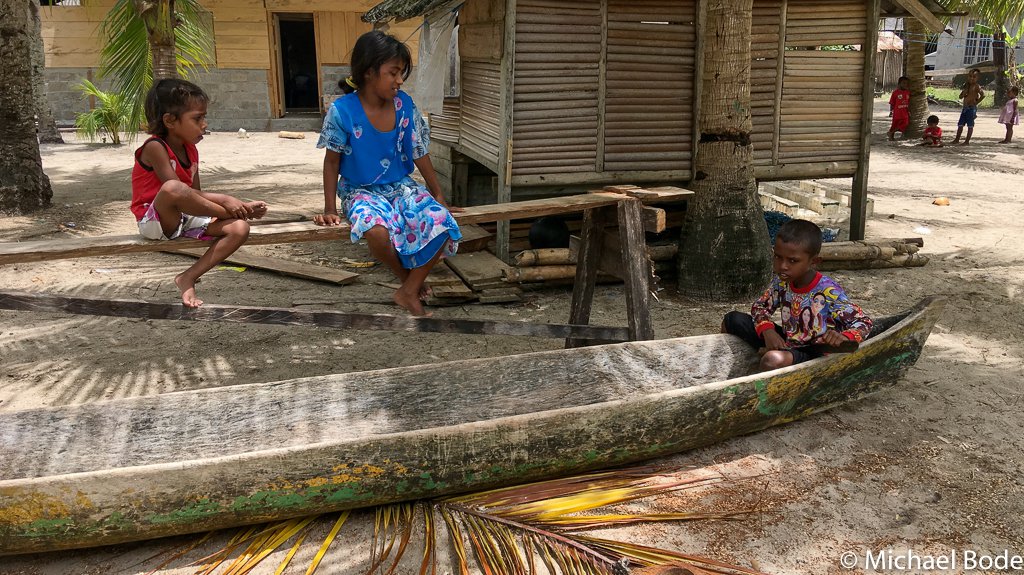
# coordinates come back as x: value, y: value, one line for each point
x: 160, y: 21
x: 1001, y: 93
x: 914, y: 49
x: 47, y: 125
x: 23, y: 185
x: 723, y: 249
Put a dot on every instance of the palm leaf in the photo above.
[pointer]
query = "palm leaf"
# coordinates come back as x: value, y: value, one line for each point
x: 507, y: 530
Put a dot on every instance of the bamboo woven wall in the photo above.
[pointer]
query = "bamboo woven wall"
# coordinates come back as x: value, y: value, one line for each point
x: 765, y: 47
x: 603, y: 86
x: 822, y: 89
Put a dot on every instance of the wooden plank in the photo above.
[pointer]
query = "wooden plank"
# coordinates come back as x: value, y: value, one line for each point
x: 478, y: 269
x: 636, y: 266
x: 594, y: 221
x: 858, y: 202
x: 442, y: 275
x: 474, y: 238
x: 924, y: 15
x: 22, y: 301
x: 244, y: 257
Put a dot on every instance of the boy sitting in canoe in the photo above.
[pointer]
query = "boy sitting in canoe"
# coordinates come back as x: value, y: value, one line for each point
x: 816, y: 312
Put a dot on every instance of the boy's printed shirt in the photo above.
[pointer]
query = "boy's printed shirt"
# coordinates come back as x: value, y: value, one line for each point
x: 900, y: 102
x: 810, y: 311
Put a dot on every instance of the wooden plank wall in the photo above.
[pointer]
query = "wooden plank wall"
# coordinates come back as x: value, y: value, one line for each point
x: 481, y: 31
x: 336, y: 32
x: 555, y: 94
x: 649, y: 81
x: 822, y: 89
x: 71, y: 34
x: 241, y: 33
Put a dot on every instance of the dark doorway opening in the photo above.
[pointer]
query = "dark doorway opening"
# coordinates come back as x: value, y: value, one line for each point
x: 298, y: 64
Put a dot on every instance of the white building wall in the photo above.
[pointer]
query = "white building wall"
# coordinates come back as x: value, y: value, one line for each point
x: 952, y: 48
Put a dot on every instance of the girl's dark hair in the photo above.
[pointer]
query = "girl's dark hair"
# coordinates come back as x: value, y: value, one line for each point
x: 171, y: 96
x: 371, y: 51
x: 933, y: 119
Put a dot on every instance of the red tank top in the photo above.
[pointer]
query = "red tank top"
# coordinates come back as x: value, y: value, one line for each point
x: 145, y: 182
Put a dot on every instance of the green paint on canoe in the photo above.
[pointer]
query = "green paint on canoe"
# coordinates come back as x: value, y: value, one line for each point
x: 48, y: 527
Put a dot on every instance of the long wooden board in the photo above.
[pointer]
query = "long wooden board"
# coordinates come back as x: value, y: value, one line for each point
x: 242, y: 257
x: 35, y: 251
x: 22, y: 301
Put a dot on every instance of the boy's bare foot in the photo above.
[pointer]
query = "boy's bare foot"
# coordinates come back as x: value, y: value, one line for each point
x: 259, y: 209
x: 412, y: 304
x: 188, y: 291
x: 1003, y: 142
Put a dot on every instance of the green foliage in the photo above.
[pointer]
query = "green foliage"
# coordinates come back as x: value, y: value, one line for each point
x: 126, y: 56
x: 110, y: 116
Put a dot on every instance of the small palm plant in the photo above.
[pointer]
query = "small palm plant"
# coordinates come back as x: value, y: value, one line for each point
x: 112, y: 114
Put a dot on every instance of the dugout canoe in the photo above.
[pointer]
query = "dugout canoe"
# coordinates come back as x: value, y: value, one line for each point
x: 140, y: 468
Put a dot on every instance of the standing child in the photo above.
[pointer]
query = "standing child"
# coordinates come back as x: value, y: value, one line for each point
x: 933, y: 133
x: 375, y: 136
x: 819, y: 311
x: 166, y: 197
x: 1009, y: 116
x: 972, y: 95
x: 899, y: 107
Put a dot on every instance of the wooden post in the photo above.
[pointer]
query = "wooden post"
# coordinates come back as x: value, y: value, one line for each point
x: 460, y: 179
x: 858, y: 200
x: 636, y: 267
x: 508, y: 66
x: 587, y: 262
x: 780, y: 70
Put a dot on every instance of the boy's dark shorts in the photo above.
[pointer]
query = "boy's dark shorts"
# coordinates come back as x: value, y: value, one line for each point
x: 742, y: 325
x: 967, y: 116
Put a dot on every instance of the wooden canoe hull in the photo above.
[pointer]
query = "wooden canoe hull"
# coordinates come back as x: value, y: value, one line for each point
x: 99, y: 507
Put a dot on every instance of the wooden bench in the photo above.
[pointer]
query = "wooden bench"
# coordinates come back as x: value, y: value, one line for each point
x: 601, y: 208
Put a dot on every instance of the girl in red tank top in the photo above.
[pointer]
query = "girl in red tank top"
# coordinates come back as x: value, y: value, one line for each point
x: 166, y: 197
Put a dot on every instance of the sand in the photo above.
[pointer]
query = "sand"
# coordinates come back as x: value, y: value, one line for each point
x: 934, y: 465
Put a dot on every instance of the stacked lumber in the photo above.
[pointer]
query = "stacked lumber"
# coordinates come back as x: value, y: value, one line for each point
x: 555, y: 264
x: 872, y: 254
x: 479, y: 276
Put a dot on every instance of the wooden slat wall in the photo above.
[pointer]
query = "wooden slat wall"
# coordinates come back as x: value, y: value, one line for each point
x: 480, y: 49
x: 336, y: 33
x: 821, y: 94
x: 764, y: 76
x: 444, y: 127
x: 650, y: 55
x: 480, y: 127
x: 71, y: 37
x: 555, y: 105
x: 241, y: 35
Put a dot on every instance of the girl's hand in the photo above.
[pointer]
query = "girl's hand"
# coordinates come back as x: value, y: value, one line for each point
x: 327, y: 219
x: 451, y: 209
x: 236, y: 208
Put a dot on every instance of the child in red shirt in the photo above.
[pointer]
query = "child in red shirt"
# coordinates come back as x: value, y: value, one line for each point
x: 933, y: 133
x: 899, y: 108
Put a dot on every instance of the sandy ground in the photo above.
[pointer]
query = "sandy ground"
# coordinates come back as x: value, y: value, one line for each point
x: 935, y: 465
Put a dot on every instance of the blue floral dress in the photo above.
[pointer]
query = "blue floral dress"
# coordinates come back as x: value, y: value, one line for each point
x: 374, y: 183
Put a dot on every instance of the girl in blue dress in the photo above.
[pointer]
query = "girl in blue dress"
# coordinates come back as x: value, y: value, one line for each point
x: 374, y: 137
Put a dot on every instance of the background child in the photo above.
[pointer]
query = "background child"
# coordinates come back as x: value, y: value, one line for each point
x: 1009, y: 116
x: 933, y: 133
x: 375, y: 136
x: 899, y: 107
x: 819, y: 311
x: 166, y: 199
x: 972, y: 95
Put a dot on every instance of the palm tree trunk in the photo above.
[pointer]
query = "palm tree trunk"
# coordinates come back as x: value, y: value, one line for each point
x: 47, y: 125
x: 158, y: 15
x: 23, y: 185
x: 724, y: 251
x: 914, y: 48
x: 1001, y: 93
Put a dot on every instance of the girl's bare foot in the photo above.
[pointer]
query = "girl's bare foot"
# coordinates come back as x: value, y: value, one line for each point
x: 188, y: 291
x: 259, y: 209
x: 412, y: 304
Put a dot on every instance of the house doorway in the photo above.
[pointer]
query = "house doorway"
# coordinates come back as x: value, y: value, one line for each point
x: 300, y: 90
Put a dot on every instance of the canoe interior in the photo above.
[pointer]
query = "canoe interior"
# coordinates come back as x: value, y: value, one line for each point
x: 193, y: 425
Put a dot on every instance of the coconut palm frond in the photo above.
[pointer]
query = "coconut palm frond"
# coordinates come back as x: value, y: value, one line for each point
x: 509, y: 531
x: 193, y: 38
